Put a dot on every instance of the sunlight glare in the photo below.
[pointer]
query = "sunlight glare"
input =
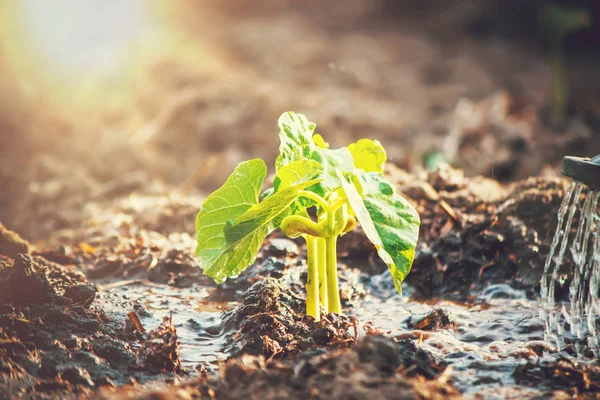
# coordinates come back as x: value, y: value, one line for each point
x: 75, y: 36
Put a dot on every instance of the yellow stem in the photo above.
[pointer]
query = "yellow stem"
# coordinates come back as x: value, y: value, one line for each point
x: 313, y: 196
x: 312, y: 279
x: 333, y: 292
x: 322, y: 253
x: 297, y: 225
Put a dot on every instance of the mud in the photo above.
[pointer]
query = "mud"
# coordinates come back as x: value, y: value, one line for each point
x: 376, y: 366
x: 56, y: 342
x: 108, y: 300
x: 59, y: 342
x: 271, y: 322
x: 475, y: 232
x: 578, y: 380
x: 160, y: 351
x: 250, y: 337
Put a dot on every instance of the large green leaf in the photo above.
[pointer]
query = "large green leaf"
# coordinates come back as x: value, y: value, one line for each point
x: 232, y: 224
x: 226, y: 204
x: 284, y: 201
x: 389, y: 221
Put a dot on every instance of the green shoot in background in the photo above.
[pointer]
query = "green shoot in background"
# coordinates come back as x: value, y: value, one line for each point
x: 559, y: 22
x: 346, y: 186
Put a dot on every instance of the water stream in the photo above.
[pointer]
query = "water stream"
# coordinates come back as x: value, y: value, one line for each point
x: 574, y: 255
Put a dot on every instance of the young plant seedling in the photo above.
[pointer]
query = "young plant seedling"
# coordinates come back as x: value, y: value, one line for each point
x: 345, y: 186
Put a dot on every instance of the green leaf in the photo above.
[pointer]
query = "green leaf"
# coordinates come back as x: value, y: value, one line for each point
x: 256, y: 220
x: 295, y: 134
x: 369, y: 155
x: 297, y: 143
x: 232, y: 224
x: 295, y: 172
x: 268, y: 192
x: 239, y: 193
x: 334, y: 161
x: 389, y: 221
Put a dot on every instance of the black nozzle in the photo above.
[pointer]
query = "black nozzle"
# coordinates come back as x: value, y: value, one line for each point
x: 583, y: 169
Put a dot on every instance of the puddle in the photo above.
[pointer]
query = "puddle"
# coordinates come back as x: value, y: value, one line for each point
x: 483, y: 342
x: 488, y: 339
x: 195, y: 314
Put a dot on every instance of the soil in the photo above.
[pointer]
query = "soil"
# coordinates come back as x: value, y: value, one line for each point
x: 474, y: 231
x: 119, y: 308
x: 101, y: 295
x: 57, y: 342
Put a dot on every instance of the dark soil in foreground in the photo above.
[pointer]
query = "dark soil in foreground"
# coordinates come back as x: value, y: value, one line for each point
x: 54, y: 345
x: 56, y: 341
x: 71, y: 329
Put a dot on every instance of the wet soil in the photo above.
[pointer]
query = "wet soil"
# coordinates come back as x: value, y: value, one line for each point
x: 56, y: 342
x: 478, y: 233
x: 107, y: 299
x: 474, y: 232
x: 119, y: 307
x: 376, y: 367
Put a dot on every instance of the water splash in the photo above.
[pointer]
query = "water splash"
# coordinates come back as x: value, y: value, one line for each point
x: 574, y: 322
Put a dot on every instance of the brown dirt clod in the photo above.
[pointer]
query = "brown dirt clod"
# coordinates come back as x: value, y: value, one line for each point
x: 271, y: 322
x: 11, y: 243
x: 160, y: 351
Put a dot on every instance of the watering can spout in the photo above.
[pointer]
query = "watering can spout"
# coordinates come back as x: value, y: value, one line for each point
x: 583, y: 169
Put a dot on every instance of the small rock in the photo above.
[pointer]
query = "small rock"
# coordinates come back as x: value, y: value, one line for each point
x: 323, y: 336
x: 77, y: 375
x: 434, y: 320
x: 26, y: 283
x: 82, y: 295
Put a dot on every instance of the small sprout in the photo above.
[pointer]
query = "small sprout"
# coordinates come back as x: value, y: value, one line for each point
x: 346, y: 186
x: 433, y: 160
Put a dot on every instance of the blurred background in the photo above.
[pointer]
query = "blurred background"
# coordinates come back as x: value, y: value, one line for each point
x: 104, y: 98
